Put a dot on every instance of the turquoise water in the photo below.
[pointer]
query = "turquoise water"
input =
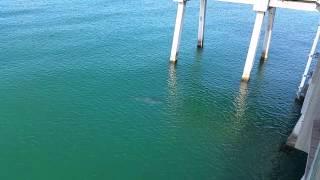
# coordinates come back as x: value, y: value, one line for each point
x: 87, y: 92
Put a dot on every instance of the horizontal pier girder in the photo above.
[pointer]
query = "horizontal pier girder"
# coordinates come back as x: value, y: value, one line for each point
x: 297, y: 5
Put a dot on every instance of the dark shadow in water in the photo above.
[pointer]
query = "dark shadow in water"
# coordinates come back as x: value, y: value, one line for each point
x: 289, y: 162
x: 288, y: 165
x: 196, y: 68
x: 198, y: 54
x: 261, y: 70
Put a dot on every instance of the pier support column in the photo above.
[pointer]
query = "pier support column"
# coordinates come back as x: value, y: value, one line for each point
x: 202, y: 21
x: 178, y: 30
x: 268, y: 34
x: 253, y: 46
x: 260, y: 7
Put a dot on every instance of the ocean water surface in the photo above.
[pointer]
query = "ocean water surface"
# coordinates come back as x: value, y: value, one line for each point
x: 87, y: 92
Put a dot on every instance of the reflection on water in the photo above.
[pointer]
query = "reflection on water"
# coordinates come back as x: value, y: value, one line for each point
x: 172, y: 85
x: 240, y: 100
x: 83, y: 79
x: 172, y: 81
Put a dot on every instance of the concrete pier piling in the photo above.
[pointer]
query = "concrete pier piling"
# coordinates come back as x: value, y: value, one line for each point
x: 202, y: 21
x: 260, y: 7
x: 178, y: 30
x: 253, y: 46
x: 268, y: 34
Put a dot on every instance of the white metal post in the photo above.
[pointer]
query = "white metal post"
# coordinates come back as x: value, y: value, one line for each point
x: 178, y: 30
x: 202, y: 21
x: 268, y: 33
x: 306, y: 71
x: 253, y: 46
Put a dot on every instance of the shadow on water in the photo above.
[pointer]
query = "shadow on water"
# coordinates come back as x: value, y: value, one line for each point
x: 261, y: 69
x: 199, y: 52
x: 288, y: 164
x: 197, y: 66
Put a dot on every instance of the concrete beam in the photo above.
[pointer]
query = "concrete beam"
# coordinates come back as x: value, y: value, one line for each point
x: 296, y: 5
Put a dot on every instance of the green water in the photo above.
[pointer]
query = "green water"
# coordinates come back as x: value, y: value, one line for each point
x: 87, y: 92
